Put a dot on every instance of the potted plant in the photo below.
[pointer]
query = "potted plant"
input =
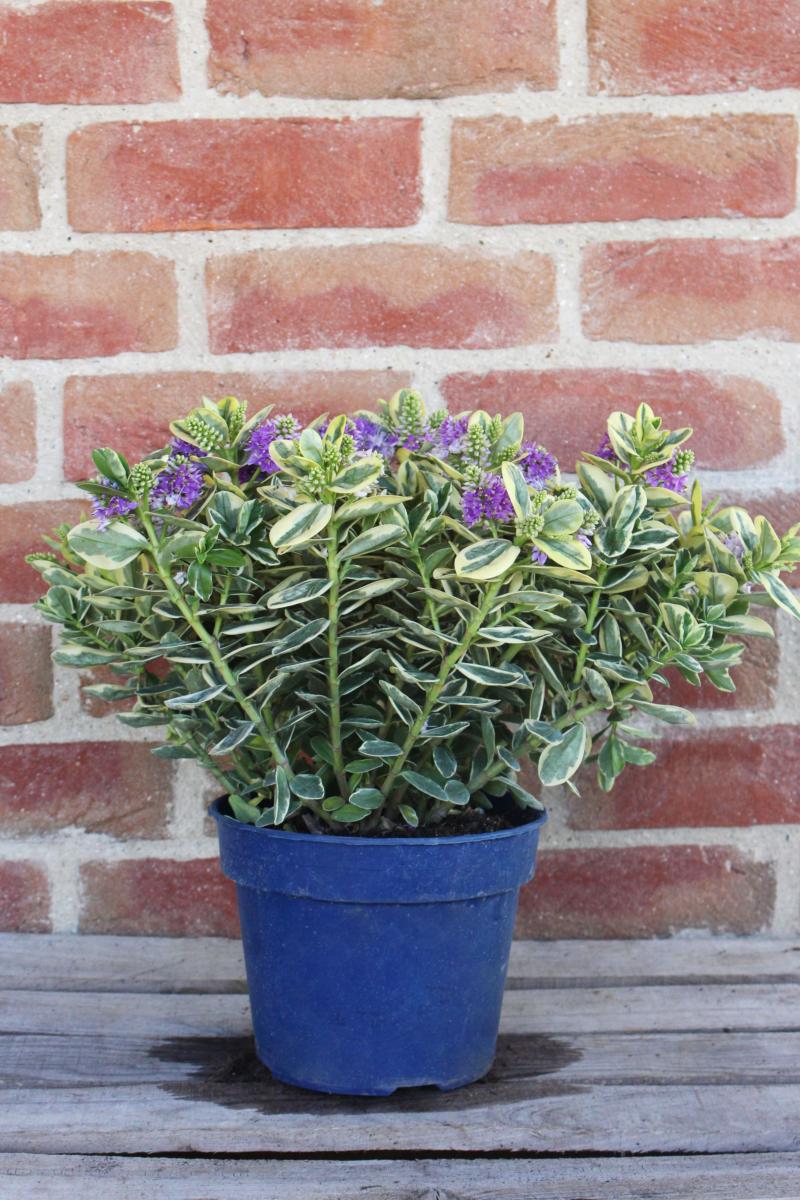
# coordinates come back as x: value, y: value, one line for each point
x: 363, y: 628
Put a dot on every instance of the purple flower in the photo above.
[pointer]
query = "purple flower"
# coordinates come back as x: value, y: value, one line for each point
x: 179, y: 448
x: 449, y: 437
x: 263, y: 436
x: 488, y: 501
x: 370, y: 438
x: 178, y: 486
x: 538, y: 556
x: 583, y: 536
x: 606, y: 450
x: 537, y: 465
x: 664, y: 476
x: 732, y: 542
x: 106, y: 508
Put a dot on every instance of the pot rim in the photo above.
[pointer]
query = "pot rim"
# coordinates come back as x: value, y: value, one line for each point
x: 322, y: 839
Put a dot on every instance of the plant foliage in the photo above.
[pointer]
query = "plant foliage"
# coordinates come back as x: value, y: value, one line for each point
x: 372, y: 621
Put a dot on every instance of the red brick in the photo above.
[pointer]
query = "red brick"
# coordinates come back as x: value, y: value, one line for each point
x: 19, y: 177
x: 379, y: 295
x: 756, y: 680
x: 646, y: 891
x: 692, y: 290
x: 26, y: 673
x: 116, y: 788
x: 713, y: 777
x: 88, y: 52
x: 736, y: 421
x: 504, y: 171
x: 158, y: 896
x: 85, y: 304
x: 22, y: 527
x: 24, y: 898
x: 132, y: 412
x: 18, y: 412
x: 361, y: 49
x: 682, y: 46
x: 256, y: 174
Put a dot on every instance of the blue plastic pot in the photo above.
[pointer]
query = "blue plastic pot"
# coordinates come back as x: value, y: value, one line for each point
x: 376, y: 963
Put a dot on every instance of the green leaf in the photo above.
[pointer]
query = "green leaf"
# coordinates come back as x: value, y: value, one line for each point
x: 348, y: 814
x: 745, y: 626
x: 308, y: 787
x: 559, y: 761
x: 615, y: 536
x: 378, y: 748
x: 488, y: 676
x: 457, y: 792
x: 298, y: 593
x: 563, y: 516
x: 409, y: 815
x: 371, y: 540
x: 301, y: 636
x: 300, y: 525
x: 598, y: 686
x: 248, y: 813
x: 487, y: 559
x: 567, y: 552
x: 517, y: 488
x: 283, y: 796
x: 638, y: 756
x: 670, y: 713
x: 200, y: 580
x: 424, y: 784
x: 777, y: 590
x: 108, y: 549
x: 445, y: 761
x: 112, y: 465
x: 193, y: 699
x: 367, y: 798
x: 69, y: 654
x: 512, y: 635
x: 240, y: 733
x: 360, y: 474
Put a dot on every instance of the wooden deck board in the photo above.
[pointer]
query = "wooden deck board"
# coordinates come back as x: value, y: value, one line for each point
x: 113, y: 1049
x: 720, y: 1177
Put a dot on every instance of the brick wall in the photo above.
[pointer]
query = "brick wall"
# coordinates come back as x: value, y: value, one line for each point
x: 553, y: 205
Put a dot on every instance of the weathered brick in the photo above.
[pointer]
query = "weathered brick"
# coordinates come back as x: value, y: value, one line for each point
x: 692, y: 290
x: 251, y: 174
x: 26, y: 673
x: 621, y: 168
x: 411, y: 48
x: 714, y: 777
x: 132, y: 412
x: 24, y: 898
x: 85, y: 304
x: 22, y: 527
x: 379, y: 295
x: 18, y: 412
x: 158, y: 896
x: 736, y: 421
x: 116, y: 788
x: 19, y: 171
x: 88, y: 52
x: 646, y: 891
x: 681, y: 46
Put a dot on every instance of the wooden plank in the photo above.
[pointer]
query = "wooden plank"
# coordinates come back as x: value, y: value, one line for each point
x: 551, y: 1011
x: 122, y: 964
x: 669, y: 1059
x: 718, y: 1177
x: 553, y: 1117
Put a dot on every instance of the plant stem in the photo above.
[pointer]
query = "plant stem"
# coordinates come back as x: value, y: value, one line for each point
x: 261, y: 718
x: 334, y: 690
x: 452, y: 660
x: 594, y: 604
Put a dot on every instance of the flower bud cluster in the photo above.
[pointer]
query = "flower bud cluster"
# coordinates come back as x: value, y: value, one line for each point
x: 201, y: 432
